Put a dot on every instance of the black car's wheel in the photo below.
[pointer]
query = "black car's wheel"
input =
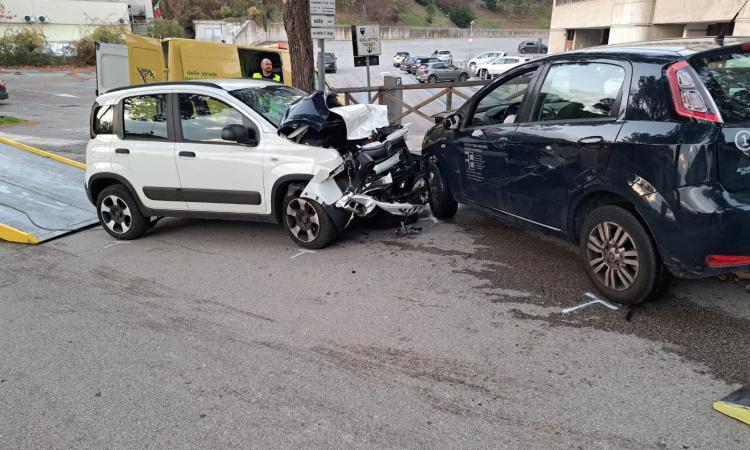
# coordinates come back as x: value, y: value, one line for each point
x: 442, y: 204
x: 463, y: 77
x: 307, y: 223
x: 119, y: 214
x: 432, y: 79
x: 620, y: 257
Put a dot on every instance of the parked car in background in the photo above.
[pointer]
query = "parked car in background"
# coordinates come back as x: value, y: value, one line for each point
x: 639, y: 154
x: 440, y: 71
x: 420, y: 61
x: 443, y: 55
x: 480, y: 67
x: 400, y: 56
x: 3, y: 91
x: 407, y: 62
x: 501, y: 65
x: 526, y: 47
x: 330, y: 62
x: 483, y: 58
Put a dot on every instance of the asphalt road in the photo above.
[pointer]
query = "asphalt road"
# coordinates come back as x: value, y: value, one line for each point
x: 222, y: 334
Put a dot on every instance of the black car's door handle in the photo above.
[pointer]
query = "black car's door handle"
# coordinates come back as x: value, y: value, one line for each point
x: 122, y: 151
x: 188, y: 154
x: 591, y: 141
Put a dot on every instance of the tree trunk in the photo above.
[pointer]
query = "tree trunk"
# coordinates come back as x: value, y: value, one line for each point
x: 297, y: 26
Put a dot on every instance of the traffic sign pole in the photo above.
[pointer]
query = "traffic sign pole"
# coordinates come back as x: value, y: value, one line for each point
x: 322, y: 65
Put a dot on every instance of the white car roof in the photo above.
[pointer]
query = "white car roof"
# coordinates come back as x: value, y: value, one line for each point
x: 228, y: 84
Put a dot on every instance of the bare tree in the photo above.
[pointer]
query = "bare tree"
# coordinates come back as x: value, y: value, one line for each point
x: 297, y: 26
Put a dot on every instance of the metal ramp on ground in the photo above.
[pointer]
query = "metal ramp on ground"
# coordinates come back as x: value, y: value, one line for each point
x: 42, y: 195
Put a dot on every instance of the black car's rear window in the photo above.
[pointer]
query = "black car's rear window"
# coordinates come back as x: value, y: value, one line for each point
x: 726, y: 75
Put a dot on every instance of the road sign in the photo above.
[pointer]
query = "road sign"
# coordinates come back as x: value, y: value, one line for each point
x: 323, y: 33
x: 366, y: 40
x: 361, y: 61
x: 327, y: 7
x: 323, y: 19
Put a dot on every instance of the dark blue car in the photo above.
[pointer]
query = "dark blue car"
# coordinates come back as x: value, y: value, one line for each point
x: 640, y: 154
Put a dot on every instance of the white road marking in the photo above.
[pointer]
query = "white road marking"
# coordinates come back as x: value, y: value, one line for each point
x: 49, y: 93
x: 301, y: 252
x: 116, y: 243
x: 583, y: 305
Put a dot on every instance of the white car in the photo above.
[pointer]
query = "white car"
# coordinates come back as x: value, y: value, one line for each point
x: 398, y: 58
x: 245, y: 150
x: 501, y: 65
x: 483, y: 58
x: 443, y: 55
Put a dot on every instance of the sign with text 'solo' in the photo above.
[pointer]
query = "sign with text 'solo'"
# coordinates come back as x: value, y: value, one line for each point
x: 323, y: 19
x: 365, y: 40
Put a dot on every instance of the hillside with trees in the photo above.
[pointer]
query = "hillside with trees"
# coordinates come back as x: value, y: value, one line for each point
x: 410, y: 13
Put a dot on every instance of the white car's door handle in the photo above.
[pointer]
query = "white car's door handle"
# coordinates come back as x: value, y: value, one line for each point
x: 274, y: 158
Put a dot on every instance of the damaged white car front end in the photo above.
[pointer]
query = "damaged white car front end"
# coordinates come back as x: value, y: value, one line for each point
x: 377, y: 171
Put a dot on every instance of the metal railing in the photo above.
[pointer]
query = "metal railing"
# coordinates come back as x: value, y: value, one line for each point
x: 383, y: 94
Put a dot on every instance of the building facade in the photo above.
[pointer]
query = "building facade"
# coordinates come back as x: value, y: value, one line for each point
x: 64, y: 21
x: 585, y: 23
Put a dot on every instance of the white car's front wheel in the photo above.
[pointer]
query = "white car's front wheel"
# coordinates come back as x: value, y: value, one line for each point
x: 307, y: 223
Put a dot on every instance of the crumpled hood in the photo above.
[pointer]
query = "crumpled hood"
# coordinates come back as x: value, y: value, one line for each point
x: 353, y: 122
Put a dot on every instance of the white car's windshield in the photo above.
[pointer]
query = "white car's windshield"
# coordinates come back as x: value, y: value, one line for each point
x: 271, y: 102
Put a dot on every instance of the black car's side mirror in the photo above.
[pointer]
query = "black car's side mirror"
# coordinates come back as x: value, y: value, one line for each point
x: 239, y: 133
x: 452, y: 122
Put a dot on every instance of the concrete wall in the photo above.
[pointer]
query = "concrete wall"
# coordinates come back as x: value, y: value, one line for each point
x: 250, y: 33
x: 68, y: 20
x: 584, y: 14
x: 639, y: 20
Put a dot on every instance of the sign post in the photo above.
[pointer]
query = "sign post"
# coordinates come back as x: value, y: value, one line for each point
x: 366, y: 47
x: 322, y: 27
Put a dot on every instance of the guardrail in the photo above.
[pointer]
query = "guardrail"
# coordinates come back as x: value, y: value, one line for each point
x: 383, y: 95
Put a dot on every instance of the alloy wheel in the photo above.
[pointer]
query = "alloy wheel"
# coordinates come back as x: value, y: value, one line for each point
x: 116, y: 214
x: 302, y: 220
x: 613, y: 256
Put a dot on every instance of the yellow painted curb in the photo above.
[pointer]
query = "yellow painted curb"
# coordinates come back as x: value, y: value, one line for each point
x: 10, y: 234
x: 40, y: 152
x: 736, y: 405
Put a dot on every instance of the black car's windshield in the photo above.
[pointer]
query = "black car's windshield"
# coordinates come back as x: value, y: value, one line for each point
x: 328, y: 56
x: 271, y: 102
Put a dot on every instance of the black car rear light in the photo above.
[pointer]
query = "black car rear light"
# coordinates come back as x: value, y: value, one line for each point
x: 689, y: 97
x: 727, y: 261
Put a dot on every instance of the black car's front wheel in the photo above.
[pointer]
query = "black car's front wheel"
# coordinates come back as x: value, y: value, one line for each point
x: 442, y: 204
x: 619, y: 255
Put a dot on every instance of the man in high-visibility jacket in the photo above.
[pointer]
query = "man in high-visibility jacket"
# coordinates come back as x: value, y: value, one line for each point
x: 266, y: 71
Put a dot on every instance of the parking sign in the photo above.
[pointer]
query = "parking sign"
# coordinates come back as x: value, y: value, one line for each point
x: 366, y: 39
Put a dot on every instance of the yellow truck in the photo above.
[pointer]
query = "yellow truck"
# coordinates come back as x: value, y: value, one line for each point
x: 147, y: 60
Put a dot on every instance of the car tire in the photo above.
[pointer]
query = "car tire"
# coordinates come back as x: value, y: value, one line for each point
x: 441, y: 200
x: 307, y: 223
x: 620, y: 257
x: 119, y: 214
x: 463, y: 77
x: 432, y: 79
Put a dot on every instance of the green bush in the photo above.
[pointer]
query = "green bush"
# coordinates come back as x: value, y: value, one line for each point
x: 461, y: 15
x: 490, y: 4
x: 424, y: 2
x: 164, y: 28
x: 26, y: 47
x: 431, y: 11
x: 84, y: 49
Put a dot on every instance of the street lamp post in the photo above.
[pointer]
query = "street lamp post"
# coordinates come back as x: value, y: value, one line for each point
x: 471, y: 36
